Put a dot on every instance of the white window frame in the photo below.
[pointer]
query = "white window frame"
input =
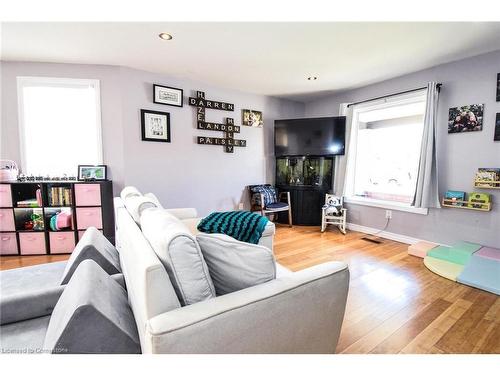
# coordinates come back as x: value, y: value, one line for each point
x: 407, y: 98
x: 57, y: 82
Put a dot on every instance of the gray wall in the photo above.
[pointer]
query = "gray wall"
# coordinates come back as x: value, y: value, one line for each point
x: 181, y: 173
x: 468, y: 81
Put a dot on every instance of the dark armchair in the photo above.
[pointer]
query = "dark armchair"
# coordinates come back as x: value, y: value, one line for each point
x: 267, y: 200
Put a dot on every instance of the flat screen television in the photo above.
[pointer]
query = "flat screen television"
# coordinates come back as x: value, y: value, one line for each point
x: 310, y: 136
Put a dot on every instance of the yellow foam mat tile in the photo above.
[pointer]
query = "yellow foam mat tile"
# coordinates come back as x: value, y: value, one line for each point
x: 443, y: 268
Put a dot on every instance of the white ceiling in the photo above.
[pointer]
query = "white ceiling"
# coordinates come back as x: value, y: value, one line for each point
x: 262, y: 58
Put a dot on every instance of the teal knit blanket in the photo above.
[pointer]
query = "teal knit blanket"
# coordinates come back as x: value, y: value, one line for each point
x: 242, y: 225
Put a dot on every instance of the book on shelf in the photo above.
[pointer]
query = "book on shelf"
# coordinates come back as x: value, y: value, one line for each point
x: 455, y: 198
x: 60, y: 196
x: 28, y: 203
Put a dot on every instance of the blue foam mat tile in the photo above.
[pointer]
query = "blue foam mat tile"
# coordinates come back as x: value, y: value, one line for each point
x: 481, y: 273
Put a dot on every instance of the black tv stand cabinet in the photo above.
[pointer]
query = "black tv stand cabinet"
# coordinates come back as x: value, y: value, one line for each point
x: 306, y: 204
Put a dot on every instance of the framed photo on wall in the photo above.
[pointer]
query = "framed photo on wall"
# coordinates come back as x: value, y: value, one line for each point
x: 497, y: 128
x: 468, y: 118
x: 252, y: 118
x: 92, y: 172
x: 168, y: 95
x: 155, y: 126
x: 498, y: 87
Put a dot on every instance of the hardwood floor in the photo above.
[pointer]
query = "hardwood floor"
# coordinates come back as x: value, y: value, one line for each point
x: 395, y: 304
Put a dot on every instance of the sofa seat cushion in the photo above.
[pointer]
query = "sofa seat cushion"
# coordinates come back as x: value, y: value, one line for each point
x: 23, y: 337
x: 236, y: 265
x: 180, y: 254
x: 282, y: 271
x: 30, y: 292
x: 277, y: 206
x: 93, y: 245
x: 92, y: 316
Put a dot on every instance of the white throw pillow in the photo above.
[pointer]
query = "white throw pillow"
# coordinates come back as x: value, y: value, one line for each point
x: 236, y: 265
x: 179, y: 252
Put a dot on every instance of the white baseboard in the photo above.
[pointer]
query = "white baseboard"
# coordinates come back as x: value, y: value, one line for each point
x: 384, y: 234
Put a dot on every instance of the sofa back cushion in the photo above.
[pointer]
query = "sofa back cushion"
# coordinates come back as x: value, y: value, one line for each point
x: 150, y: 291
x: 129, y: 191
x: 154, y: 198
x: 236, y: 265
x: 179, y: 252
x: 136, y: 205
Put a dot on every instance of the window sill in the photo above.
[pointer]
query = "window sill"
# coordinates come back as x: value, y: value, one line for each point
x: 387, y: 205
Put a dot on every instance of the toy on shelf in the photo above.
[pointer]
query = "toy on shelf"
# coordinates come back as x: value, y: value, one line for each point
x: 334, y: 213
x: 487, y: 178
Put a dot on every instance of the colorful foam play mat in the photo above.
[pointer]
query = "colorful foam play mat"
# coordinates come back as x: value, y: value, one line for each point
x: 464, y: 262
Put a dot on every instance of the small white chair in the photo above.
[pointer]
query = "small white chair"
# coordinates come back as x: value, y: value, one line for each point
x: 334, y: 213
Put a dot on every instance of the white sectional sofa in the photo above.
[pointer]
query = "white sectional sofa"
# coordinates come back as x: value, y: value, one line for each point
x: 297, y: 312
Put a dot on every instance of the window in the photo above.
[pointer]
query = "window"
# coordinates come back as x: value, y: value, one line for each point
x: 59, y: 124
x: 384, y: 153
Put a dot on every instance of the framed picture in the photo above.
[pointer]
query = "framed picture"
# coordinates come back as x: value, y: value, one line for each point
x: 155, y: 126
x: 497, y: 128
x: 498, y: 87
x: 468, y: 118
x: 92, y: 172
x: 252, y: 118
x: 168, y: 95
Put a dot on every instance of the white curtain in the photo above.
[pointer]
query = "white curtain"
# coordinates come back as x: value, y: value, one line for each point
x: 427, y: 192
x: 341, y: 160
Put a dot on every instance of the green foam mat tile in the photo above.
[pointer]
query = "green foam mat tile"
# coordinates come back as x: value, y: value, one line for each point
x: 459, y: 253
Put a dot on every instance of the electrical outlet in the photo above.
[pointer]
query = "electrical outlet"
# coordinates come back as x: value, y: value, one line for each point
x: 240, y: 206
x: 388, y: 214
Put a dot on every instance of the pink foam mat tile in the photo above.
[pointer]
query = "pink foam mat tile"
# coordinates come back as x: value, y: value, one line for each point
x: 421, y: 248
x: 489, y: 253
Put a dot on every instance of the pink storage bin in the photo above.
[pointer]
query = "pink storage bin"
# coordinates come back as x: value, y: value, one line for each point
x: 88, y: 217
x: 81, y: 232
x: 88, y: 194
x: 61, y: 242
x: 5, y: 196
x: 7, y: 220
x: 32, y: 243
x: 8, y: 244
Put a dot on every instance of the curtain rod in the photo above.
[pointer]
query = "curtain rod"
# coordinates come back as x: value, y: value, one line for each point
x: 397, y: 93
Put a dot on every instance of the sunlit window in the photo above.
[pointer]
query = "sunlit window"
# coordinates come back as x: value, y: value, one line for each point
x: 59, y: 125
x: 385, y: 150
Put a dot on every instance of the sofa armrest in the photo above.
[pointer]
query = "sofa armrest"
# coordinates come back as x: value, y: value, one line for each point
x: 300, y: 313
x: 183, y: 213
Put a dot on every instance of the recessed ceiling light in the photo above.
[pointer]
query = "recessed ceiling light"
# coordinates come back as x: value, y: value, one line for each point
x: 312, y: 78
x: 165, y: 36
